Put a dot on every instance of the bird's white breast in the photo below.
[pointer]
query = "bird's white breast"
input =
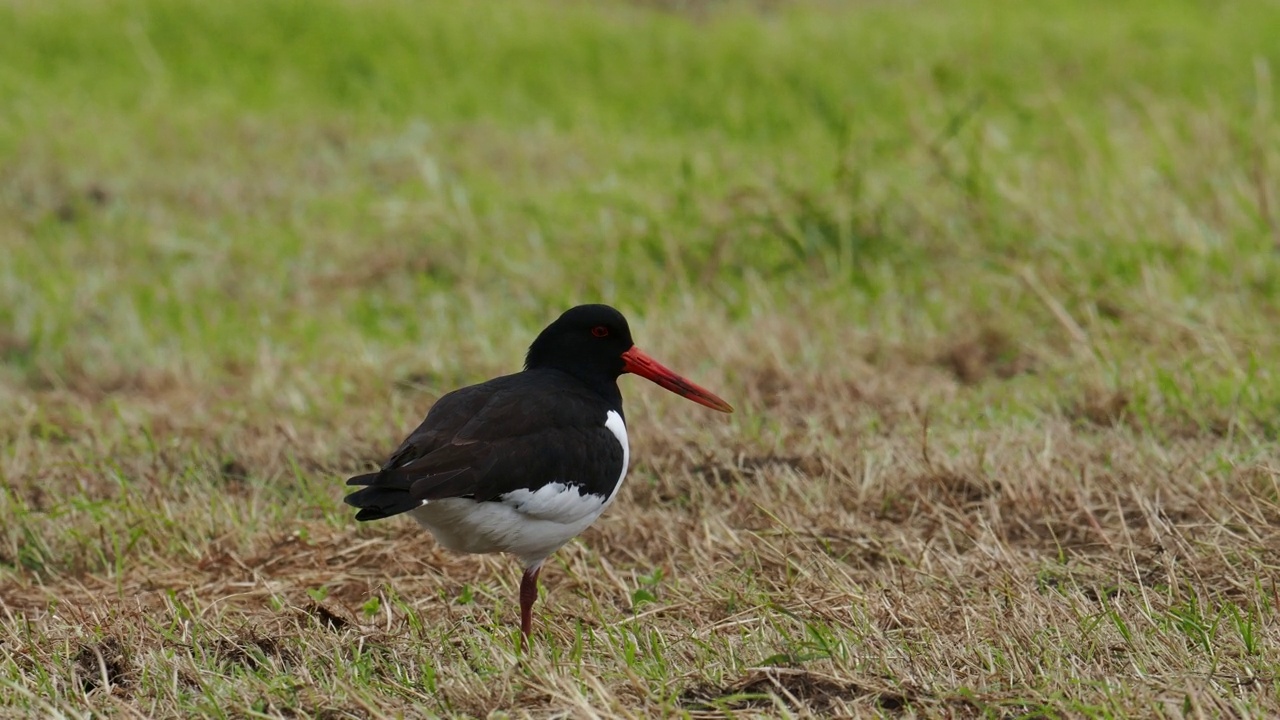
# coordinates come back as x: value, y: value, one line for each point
x: 613, y: 421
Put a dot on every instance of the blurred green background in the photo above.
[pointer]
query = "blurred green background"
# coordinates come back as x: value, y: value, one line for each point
x: 183, y: 184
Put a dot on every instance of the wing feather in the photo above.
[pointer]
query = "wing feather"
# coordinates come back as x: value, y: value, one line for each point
x: 488, y: 440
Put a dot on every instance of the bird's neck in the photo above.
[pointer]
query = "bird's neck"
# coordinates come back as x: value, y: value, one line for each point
x: 603, y: 384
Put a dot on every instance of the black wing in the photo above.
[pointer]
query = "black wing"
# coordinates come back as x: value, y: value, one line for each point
x: 513, y: 432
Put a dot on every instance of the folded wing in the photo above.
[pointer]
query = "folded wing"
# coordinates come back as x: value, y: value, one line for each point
x: 485, y: 441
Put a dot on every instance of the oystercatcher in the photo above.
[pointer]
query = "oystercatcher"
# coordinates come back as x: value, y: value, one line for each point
x: 523, y: 463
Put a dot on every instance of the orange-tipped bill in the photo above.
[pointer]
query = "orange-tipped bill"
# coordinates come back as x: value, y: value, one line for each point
x: 646, y: 367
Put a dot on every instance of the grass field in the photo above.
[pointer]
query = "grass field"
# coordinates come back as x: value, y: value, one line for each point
x: 994, y: 287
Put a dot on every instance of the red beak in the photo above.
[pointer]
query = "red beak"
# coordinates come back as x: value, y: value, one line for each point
x: 646, y: 367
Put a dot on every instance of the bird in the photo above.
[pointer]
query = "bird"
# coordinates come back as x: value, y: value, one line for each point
x: 523, y: 463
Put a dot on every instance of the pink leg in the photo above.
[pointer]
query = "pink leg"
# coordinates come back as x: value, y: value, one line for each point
x: 528, y: 593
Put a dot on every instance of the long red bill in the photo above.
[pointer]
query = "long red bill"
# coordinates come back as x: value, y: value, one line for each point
x: 646, y: 367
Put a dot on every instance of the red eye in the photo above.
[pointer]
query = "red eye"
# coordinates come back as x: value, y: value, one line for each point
x: 600, y: 331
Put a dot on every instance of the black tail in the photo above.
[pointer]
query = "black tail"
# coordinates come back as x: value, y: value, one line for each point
x: 377, y: 501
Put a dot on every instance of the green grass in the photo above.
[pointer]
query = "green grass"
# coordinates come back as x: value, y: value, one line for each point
x: 994, y: 288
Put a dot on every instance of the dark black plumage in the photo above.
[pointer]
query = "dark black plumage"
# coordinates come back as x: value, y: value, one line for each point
x: 545, y: 424
x: 481, y: 442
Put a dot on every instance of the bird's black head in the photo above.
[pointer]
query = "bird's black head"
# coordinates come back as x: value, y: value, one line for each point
x: 593, y: 343
x: 586, y: 341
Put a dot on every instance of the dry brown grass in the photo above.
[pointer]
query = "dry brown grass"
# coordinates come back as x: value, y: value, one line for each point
x: 831, y: 551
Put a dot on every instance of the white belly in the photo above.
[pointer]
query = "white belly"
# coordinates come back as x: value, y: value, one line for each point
x: 528, y: 524
x: 465, y: 525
